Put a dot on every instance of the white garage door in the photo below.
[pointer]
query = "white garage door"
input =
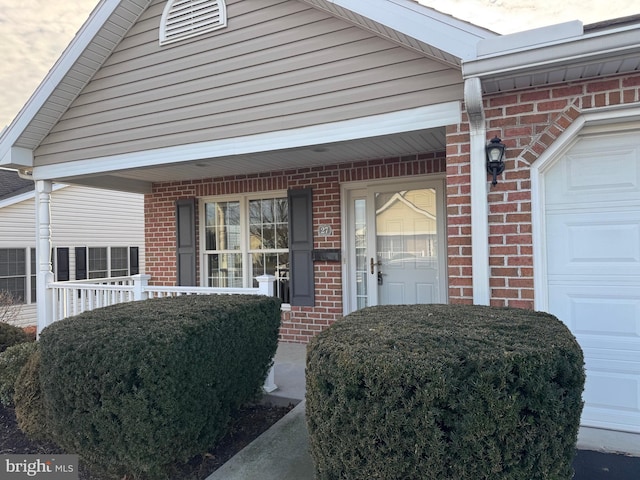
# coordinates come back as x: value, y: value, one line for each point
x: 592, y: 215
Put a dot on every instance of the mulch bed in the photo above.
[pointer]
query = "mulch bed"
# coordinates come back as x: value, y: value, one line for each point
x: 246, y: 425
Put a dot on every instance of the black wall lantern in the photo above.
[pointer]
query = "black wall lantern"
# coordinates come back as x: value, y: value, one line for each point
x: 495, y: 158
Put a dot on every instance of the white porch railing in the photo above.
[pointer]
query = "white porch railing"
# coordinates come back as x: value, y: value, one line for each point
x: 73, y: 298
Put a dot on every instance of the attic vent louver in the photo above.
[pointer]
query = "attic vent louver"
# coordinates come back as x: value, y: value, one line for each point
x: 183, y: 19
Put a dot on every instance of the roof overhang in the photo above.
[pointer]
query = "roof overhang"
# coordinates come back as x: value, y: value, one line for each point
x: 561, y: 53
x: 405, y: 22
x: 90, y: 48
x: 386, y: 135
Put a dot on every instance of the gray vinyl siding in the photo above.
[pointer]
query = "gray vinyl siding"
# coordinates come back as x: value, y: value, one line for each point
x: 278, y: 65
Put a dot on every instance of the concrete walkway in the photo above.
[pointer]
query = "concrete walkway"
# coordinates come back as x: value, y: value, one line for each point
x: 282, y: 452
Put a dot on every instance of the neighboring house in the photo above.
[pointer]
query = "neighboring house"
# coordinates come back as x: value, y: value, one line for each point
x: 343, y: 142
x: 96, y: 233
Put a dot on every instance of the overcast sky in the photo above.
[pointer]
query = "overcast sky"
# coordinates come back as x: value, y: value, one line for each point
x: 33, y: 33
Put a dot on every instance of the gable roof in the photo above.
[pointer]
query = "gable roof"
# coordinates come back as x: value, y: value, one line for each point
x: 405, y: 22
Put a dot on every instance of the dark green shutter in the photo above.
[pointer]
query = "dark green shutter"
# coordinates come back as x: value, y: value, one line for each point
x: 186, y: 242
x: 62, y: 264
x: 301, y: 247
x: 134, y: 261
x: 81, y: 263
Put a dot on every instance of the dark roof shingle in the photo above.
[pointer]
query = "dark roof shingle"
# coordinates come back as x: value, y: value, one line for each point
x: 11, y: 184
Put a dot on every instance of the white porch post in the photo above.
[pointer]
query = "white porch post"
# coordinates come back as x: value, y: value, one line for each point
x: 44, y: 294
x: 479, y: 202
x: 140, y: 283
x: 266, y: 287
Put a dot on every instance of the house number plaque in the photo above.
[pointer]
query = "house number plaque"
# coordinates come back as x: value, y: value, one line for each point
x: 325, y: 230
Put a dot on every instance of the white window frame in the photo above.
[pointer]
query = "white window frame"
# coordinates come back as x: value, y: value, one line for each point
x: 109, y: 266
x: 243, y: 199
x: 30, y: 253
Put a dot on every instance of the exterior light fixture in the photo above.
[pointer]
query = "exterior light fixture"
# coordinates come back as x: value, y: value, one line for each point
x: 495, y: 158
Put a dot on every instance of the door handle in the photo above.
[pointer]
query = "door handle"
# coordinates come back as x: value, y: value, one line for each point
x: 373, y: 264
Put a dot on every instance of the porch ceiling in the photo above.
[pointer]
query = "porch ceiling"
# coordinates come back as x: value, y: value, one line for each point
x: 140, y: 179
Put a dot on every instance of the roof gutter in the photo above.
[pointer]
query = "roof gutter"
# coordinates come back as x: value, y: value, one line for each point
x: 544, y: 48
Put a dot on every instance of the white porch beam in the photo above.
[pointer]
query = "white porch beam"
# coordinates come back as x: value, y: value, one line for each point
x: 421, y: 118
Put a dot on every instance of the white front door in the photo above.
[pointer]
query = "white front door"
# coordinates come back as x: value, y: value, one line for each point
x: 592, y: 222
x: 396, y: 245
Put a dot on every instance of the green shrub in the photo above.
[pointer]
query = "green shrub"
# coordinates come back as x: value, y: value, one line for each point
x: 444, y: 392
x: 134, y: 387
x: 31, y: 415
x: 11, y: 335
x: 12, y: 360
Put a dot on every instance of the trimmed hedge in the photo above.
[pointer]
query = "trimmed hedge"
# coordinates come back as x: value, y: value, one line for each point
x: 11, y: 335
x: 31, y: 414
x: 135, y: 387
x: 444, y: 392
x: 12, y: 360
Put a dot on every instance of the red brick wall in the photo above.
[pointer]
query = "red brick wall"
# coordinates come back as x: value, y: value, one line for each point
x: 301, y: 323
x: 528, y: 122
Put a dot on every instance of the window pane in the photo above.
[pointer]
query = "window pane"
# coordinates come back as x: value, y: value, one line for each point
x: 360, y: 236
x: 222, y: 225
x: 268, y: 224
x: 269, y: 264
x: 276, y: 264
x: 225, y: 270
x: 15, y: 286
x: 282, y: 222
x: 13, y: 272
x: 119, y: 261
x: 12, y: 262
x: 98, y: 263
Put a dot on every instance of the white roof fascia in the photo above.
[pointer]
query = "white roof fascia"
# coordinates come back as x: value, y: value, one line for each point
x: 429, y: 26
x: 534, y: 55
x: 420, y: 118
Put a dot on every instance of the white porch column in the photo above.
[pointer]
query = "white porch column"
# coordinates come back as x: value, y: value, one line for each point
x: 267, y: 287
x: 479, y: 202
x: 44, y: 300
